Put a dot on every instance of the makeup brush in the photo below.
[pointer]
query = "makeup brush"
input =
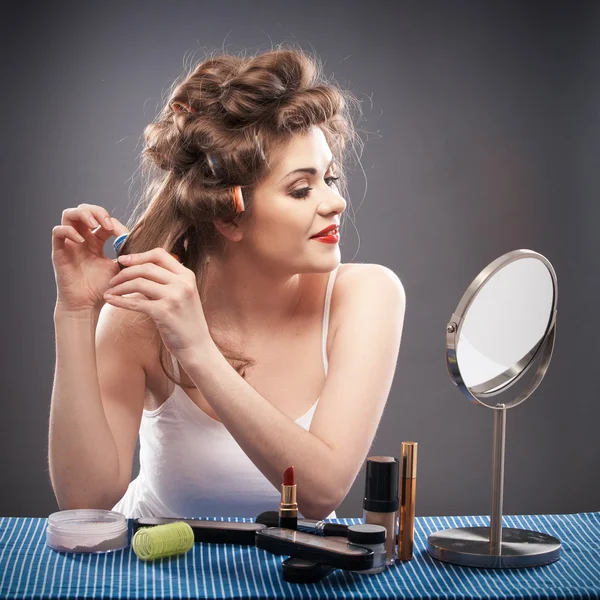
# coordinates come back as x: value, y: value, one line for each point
x: 270, y: 518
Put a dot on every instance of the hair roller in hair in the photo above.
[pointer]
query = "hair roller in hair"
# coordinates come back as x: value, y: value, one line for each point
x: 119, y: 242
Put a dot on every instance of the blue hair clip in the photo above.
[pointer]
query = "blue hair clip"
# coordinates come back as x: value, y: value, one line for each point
x: 119, y: 242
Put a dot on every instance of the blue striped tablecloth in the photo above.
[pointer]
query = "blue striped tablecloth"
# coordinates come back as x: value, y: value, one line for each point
x: 29, y: 569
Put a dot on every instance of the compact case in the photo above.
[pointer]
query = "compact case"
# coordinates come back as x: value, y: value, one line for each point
x: 212, y: 532
x: 309, y: 547
x: 298, y: 570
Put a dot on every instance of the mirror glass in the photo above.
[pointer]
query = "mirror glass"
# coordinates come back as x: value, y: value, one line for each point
x: 506, y: 321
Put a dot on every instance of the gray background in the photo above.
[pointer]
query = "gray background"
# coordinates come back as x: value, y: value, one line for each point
x: 481, y: 128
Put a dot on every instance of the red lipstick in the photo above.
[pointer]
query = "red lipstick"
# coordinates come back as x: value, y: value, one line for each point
x: 329, y: 235
x: 288, y: 509
x: 329, y: 229
x: 328, y: 239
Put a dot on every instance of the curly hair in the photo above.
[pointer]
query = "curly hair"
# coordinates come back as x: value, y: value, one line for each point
x: 240, y: 110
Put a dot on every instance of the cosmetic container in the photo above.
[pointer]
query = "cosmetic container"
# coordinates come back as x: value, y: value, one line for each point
x: 373, y: 537
x: 313, y: 548
x: 298, y: 570
x: 87, y: 530
x: 408, y: 488
x: 380, y: 503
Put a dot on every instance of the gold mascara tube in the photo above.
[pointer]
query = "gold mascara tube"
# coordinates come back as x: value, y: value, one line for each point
x: 408, y: 488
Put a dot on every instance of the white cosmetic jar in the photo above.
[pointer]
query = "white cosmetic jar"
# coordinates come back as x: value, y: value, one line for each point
x: 87, y: 530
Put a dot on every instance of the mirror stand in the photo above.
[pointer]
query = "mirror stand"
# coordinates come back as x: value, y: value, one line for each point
x: 494, y: 546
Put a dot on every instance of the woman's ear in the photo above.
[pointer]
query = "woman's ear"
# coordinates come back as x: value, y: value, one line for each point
x: 232, y: 231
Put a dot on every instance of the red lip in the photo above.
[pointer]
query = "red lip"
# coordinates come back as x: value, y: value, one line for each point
x: 326, y: 230
x: 327, y: 239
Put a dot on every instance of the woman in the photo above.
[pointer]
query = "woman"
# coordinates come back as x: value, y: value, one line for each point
x: 269, y: 353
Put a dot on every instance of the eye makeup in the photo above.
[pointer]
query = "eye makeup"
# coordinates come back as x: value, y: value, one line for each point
x: 302, y: 193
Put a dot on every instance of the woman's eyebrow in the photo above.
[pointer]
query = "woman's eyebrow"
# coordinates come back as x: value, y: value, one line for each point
x: 310, y: 170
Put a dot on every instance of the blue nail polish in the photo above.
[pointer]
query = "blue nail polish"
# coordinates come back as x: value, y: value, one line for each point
x: 119, y: 242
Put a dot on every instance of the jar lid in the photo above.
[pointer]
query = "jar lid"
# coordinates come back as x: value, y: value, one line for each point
x: 366, y: 533
x: 85, y: 528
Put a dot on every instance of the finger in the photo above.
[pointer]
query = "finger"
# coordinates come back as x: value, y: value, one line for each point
x: 79, y: 215
x: 100, y: 214
x: 104, y: 228
x: 158, y: 256
x: 119, y: 228
x: 80, y: 222
x: 150, y: 289
x: 102, y: 234
x: 150, y: 271
x: 136, y: 302
x: 60, y: 233
x: 87, y: 216
x: 82, y: 218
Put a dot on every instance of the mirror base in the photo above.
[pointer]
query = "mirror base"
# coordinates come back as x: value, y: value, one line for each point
x: 471, y: 547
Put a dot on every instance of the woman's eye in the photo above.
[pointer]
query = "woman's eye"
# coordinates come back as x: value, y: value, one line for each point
x: 304, y: 192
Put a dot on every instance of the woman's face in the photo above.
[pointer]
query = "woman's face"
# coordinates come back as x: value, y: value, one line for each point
x: 290, y: 206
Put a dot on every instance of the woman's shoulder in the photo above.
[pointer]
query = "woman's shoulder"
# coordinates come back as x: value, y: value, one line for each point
x: 353, y: 279
x: 356, y: 274
x: 133, y: 329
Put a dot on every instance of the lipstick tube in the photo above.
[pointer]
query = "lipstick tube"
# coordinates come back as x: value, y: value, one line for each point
x: 408, y: 489
x: 288, y: 508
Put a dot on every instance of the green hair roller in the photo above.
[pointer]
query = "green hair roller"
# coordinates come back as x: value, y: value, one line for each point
x: 150, y: 543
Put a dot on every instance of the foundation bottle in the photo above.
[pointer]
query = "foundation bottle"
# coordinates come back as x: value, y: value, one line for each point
x: 380, y: 503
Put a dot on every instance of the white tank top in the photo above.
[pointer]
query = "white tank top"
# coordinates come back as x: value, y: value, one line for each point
x: 191, y: 466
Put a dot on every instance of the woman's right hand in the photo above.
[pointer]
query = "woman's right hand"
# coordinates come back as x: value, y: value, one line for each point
x: 81, y: 270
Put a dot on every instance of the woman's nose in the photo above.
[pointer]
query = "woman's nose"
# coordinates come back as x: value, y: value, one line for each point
x: 334, y: 200
x: 337, y: 203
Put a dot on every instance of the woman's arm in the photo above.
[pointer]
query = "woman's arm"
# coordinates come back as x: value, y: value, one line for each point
x: 363, y: 358
x: 82, y: 456
x: 96, y: 407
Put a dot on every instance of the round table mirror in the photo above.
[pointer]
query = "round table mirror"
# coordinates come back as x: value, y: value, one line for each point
x: 502, y: 327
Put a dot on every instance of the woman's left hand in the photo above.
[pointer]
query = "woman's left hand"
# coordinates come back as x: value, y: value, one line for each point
x: 169, y: 295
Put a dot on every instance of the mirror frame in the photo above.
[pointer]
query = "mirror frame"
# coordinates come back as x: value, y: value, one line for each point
x: 544, y: 347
